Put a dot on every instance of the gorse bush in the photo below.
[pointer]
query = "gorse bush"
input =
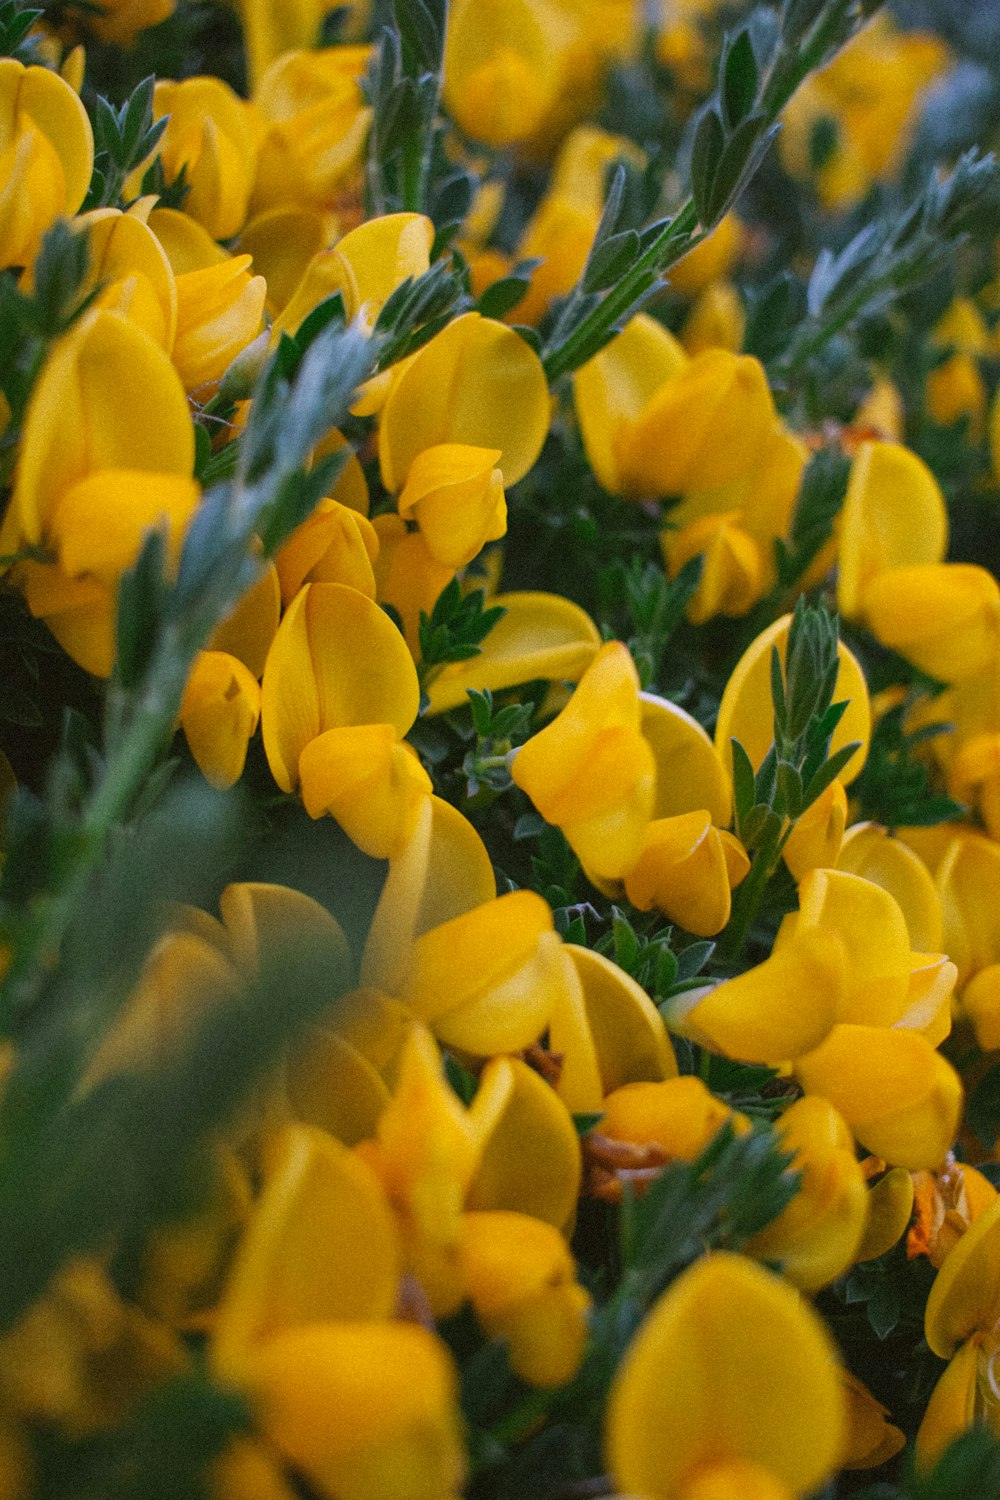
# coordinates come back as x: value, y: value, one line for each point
x: 500, y: 707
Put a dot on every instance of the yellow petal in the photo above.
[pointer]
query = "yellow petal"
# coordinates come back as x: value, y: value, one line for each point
x: 890, y: 1204
x: 530, y: 1152
x: 219, y: 713
x: 368, y: 781
x: 476, y: 382
x: 759, y: 1016
x: 678, y: 1114
x: 871, y: 851
x: 366, y: 1411
x: 951, y: 1408
x: 520, y: 1278
x: 337, y: 660
x: 442, y: 872
x: 99, y: 524
x: 730, y: 1364
x: 689, y: 773
x: 682, y: 871
x: 894, y: 516
x: 613, y: 388
x: 486, y: 981
x: 541, y: 635
x: 943, y: 617
x: 455, y: 494
x: 965, y: 1296
x: 321, y: 1245
x: 900, y: 1097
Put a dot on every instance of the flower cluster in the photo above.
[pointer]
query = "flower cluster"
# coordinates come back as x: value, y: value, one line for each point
x: 500, y: 772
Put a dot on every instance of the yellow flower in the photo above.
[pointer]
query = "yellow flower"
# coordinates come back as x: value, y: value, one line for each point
x: 130, y: 272
x: 273, y: 27
x: 960, y: 1323
x: 212, y: 136
x: 120, y: 21
x: 315, y: 126
x: 731, y: 1378
x: 455, y: 494
x: 687, y: 869
x: 476, y: 382
x: 900, y: 1097
x: 870, y: 93
x: 303, y: 1330
x: 504, y: 66
x: 219, y: 714
x: 94, y: 476
x: 669, y: 424
x: 521, y: 1280
x: 894, y: 516
x: 590, y: 771
x: 732, y: 574
x: 219, y: 311
x: 46, y: 157
x: 607, y: 1032
x: 944, y: 617
x: 487, y: 981
x: 339, y: 692
x: 817, y: 1236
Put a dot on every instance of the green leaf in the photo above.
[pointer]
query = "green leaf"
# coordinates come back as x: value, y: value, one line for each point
x: 738, y: 68
x: 744, y: 791
x: 706, y: 154
x: 610, y: 260
x: 983, y: 1108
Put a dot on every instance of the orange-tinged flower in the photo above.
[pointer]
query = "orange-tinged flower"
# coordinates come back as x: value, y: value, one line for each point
x: 590, y: 771
x: 731, y: 1369
x: 46, y: 157
x: 679, y: 1115
x: 871, y: 1438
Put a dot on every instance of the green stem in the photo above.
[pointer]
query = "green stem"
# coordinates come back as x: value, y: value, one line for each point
x: 650, y: 265
x: 748, y: 899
